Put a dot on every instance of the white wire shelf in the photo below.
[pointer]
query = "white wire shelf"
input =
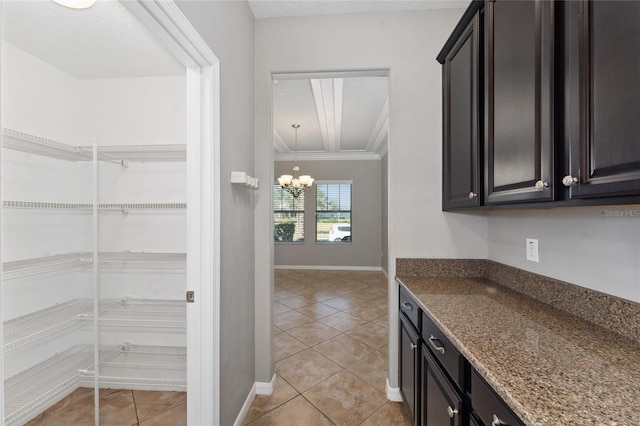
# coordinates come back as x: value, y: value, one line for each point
x: 143, y: 260
x: 113, y: 313
x: 24, y: 142
x: 142, y: 206
x: 136, y: 313
x: 42, y: 265
x: 38, y: 325
x: 123, y: 366
x: 32, y: 144
x: 38, y: 205
x: 141, y: 367
x: 112, y: 260
x: 31, y: 391
x: 143, y: 153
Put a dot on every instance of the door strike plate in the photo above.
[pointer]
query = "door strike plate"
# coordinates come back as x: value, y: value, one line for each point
x: 191, y: 296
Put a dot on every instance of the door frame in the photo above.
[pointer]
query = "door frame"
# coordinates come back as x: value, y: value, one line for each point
x: 174, y: 32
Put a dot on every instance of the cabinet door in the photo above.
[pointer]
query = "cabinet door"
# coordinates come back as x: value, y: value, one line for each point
x: 441, y: 404
x: 409, y: 367
x: 488, y: 406
x: 604, y: 108
x: 461, y: 168
x: 518, y: 101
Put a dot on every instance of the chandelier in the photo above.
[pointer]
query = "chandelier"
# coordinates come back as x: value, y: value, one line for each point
x: 294, y: 184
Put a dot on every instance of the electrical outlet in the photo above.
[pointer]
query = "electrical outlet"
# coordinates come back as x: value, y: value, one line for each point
x: 532, y: 249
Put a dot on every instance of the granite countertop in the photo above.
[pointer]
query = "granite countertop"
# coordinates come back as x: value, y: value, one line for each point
x: 550, y: 367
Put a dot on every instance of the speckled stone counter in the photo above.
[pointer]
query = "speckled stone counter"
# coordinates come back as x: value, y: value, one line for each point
x: 549, y: 366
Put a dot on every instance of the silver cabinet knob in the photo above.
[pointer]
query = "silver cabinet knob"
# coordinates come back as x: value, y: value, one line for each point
x: 540, y: 185
x: 412, y: 346
x: 451, y: 411
x: 472, y: 195
x: 569, y: 180
x: 407, y: 306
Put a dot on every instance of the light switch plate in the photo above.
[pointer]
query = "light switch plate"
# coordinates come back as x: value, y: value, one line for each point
x: 532, y: 249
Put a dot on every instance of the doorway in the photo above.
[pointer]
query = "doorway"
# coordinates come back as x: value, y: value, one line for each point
x: 332, y: 152
x: 91, y: 225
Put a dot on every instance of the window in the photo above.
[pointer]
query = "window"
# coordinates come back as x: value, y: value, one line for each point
x: 333, y: 212
x: 288, y: 216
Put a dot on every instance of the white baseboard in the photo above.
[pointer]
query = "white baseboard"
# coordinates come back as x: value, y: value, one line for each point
x: 330, y: 268
x: 385, y: 273
x: 266, y: 388
x: 258, y: 388
x: 246, y: 406
x: 393, y: 394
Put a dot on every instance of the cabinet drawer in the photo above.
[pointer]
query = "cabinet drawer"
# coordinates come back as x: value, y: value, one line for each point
x: 442, y: 404
x: 409, y: 307
x: 488, y: 406
x: 443, y: 351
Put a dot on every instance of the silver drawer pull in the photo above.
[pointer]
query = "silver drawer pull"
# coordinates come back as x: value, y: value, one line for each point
x: 434, y: 346
x: 413, y: 346
x: 451, y: 411
x: 407, y: 306
x: 497, y: 422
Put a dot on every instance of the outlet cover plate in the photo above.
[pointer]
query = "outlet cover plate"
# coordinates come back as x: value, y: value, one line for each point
x: 532, y: 249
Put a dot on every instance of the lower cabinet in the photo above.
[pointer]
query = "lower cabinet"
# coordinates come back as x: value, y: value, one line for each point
x: 442, y: 405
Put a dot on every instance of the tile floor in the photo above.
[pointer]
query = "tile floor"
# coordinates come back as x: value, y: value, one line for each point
x: 117, y: 407
x: 330, y: 352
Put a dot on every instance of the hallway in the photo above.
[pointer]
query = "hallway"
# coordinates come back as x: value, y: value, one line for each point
x: 330, y: 352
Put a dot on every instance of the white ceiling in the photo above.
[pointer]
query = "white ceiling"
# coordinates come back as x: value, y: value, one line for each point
x: 104, y: 41
x: 341, y: 116
x: 284, y: 8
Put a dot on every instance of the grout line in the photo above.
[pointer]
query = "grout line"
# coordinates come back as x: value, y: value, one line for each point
x: 135, y: 406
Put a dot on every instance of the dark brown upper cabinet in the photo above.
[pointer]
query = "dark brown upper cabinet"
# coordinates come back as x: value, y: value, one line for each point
x: 461, y: 59
x: 602, y: 107
x: 519, y: 107
x: 460, y: 76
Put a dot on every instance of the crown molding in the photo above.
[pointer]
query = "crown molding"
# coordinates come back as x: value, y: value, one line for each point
x: 327, y: 156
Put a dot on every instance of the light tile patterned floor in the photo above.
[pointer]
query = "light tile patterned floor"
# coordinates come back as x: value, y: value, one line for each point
x: 117, y: 407
x: 330, y: 350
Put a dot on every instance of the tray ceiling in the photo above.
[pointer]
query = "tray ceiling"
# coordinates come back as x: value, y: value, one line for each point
x: 340, y: 117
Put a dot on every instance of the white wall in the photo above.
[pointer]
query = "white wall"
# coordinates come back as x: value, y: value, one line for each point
x: 592, y: 247
x: 406, y: 43
x: 33, y: 88
x: 42, y: 100
x: 228, y: 28
x: 366, y: 222
x: 122, y: 111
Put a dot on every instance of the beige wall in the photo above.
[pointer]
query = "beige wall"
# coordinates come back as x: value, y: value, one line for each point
x: 593, y: 247
x: 365, y: 249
